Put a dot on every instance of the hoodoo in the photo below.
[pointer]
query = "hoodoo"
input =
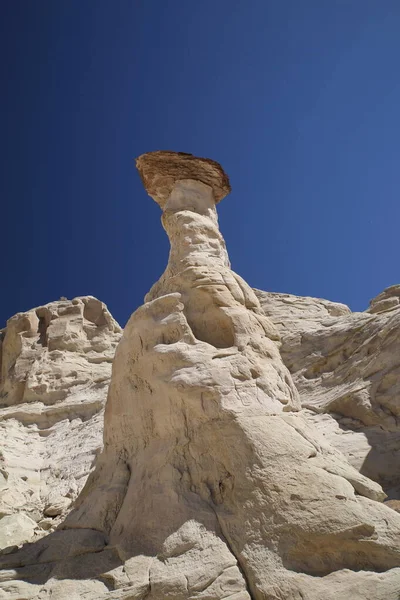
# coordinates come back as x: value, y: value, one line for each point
x: 212, y: 484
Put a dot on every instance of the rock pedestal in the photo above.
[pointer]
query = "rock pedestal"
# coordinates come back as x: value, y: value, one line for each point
x: 211, y: 485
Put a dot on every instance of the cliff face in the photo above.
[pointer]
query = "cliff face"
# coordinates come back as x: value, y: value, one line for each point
x: 55, y: 371
x: 219, y: 477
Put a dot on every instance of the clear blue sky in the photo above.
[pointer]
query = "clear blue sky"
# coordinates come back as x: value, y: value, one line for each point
x: 298, y: 100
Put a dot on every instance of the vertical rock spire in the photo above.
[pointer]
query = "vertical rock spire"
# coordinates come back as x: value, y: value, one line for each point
x: 211, y: 483
x: 216, y: 301
x: 187, y: 190
x: 203, y: 444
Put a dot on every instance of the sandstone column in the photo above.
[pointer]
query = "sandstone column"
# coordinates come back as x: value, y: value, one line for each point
x: 210, y: 477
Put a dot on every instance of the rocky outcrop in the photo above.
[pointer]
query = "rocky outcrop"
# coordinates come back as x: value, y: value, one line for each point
x: 346, y: 367
x: 387, y: 300
x: 55, y: 372
x: 213, y: 482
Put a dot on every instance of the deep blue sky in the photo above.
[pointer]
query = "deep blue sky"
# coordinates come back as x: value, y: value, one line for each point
x: 298, y: 100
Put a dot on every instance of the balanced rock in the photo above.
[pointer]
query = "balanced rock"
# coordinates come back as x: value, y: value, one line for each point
x: 213, y: 483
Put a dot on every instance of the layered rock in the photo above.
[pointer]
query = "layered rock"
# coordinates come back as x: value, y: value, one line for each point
x: 346, y: 367
x: 212, y: 483
x: 55, y: 371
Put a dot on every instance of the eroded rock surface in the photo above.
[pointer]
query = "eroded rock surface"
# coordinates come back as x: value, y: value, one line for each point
x: 346, y: 367
x: 213, y: 482
x: 55, y: 371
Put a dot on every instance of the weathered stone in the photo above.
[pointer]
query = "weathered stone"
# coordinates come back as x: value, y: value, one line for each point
x: 346, y: 367
x: 57, y: 507
x: 16, y: 529
x: 161, y: 170
x: 201, y: 428
x: 214, y: 482
x: 56, y: 367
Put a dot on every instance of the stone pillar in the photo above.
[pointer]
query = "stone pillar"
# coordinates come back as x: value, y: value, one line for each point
x: 209, y: 470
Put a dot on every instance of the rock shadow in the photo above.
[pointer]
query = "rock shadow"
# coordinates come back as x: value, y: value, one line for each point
x: 381, y: 464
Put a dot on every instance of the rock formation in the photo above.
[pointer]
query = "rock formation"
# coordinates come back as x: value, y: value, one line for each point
x: 55, y: 371
x: 213, y: 483
x: 346, y: 367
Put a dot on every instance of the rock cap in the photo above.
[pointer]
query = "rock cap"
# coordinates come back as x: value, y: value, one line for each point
x: 160, y: 170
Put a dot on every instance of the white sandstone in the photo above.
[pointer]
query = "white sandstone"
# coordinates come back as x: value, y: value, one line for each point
x: 213, y: 482
x: 55, y: 370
